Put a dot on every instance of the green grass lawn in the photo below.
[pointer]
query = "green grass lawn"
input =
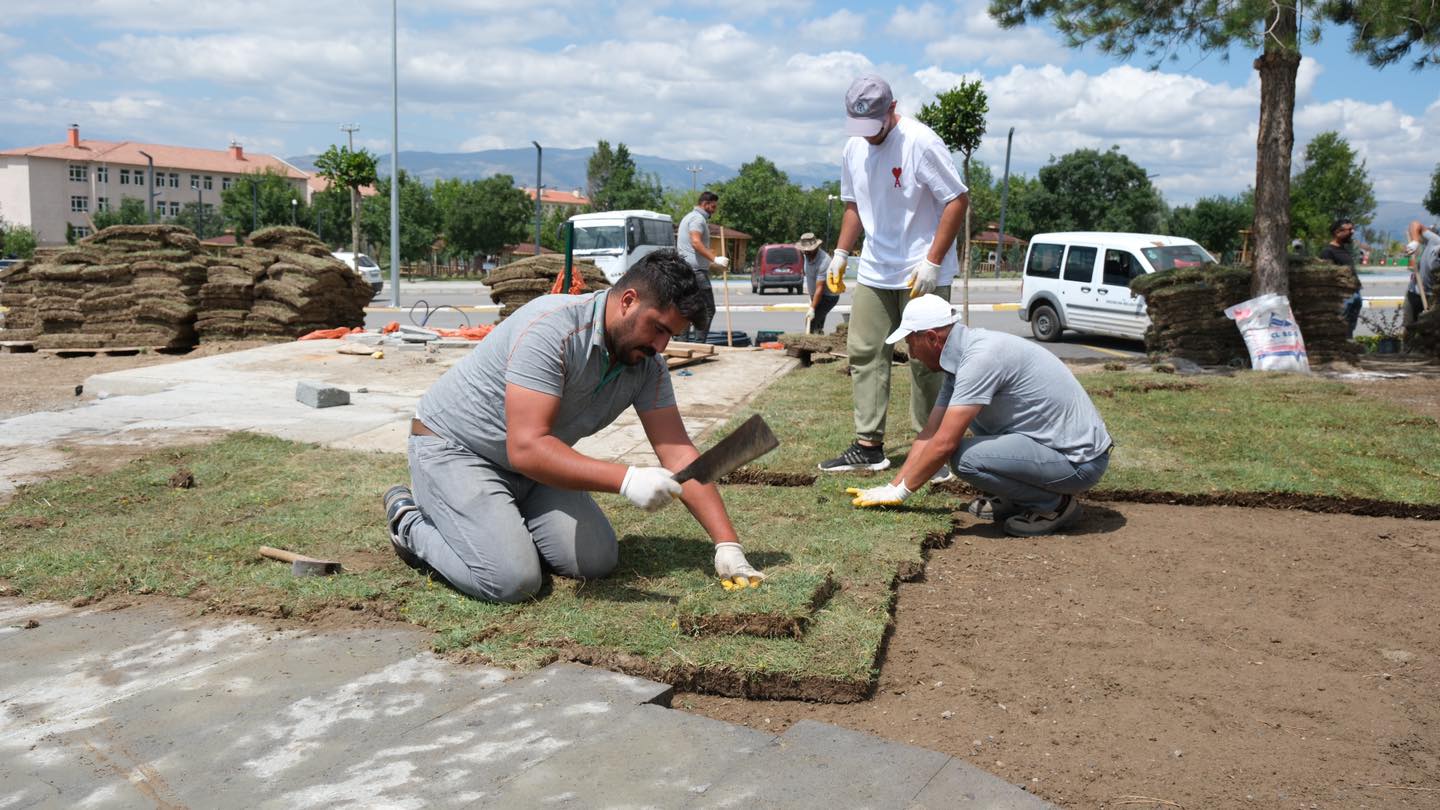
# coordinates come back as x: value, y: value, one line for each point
x: 814, y: 629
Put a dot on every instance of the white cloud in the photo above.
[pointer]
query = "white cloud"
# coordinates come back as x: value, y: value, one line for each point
x: 43, y: 73
x: 842, y: 26
x: 922, y: 23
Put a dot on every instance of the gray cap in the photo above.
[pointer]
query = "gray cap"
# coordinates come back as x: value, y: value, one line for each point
x: 867, y: 103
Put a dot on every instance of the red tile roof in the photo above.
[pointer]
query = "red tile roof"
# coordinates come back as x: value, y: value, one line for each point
x: 185, y: 158
x: 551, y: 196
x: 318, y: 184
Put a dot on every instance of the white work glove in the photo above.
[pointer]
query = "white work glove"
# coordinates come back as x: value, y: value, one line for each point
x: 809, y: 318
x: 649, y: 487
x: 722, y: 262
x: 730, y: 562
x: 1411, y: 247
x: 887, y: 495
x: 835, y: 273
x: 923, y: 276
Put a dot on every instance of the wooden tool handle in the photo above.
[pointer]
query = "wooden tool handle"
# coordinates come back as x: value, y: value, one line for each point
x: 281, y: 554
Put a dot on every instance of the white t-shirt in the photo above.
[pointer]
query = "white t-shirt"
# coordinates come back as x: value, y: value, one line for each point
x: 900, y: 187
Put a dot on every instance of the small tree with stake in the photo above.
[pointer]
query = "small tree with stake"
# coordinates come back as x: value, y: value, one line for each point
x: 350, y: 170
x: 958, y: 117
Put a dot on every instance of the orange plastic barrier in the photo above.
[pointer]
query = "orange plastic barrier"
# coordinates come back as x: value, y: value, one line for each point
x: 332, y: 334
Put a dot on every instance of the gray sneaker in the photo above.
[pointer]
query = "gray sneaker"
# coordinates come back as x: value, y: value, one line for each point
x: 1034, y: 524
x: 399, y: 502
x: 942, y: 475
x: 991, y: 507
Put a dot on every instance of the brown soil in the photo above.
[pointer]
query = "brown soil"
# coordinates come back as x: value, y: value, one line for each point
x: 1209, y: 656
x: 738, y: 686
x: 41, y: 381
x: 768, y: 478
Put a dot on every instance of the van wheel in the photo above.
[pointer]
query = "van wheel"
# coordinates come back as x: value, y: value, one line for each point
x: 1045, y: 324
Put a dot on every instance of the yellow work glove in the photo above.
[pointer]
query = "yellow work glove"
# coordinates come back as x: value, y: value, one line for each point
x: 887, y: 495
x: 835, y: 273
x: 733, y: 569
x: 924, y: 275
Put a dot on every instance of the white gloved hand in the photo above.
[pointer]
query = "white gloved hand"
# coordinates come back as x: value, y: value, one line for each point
x: 649, y: 487
x: 887, y: 495
x: 723, y: 262
x: 730, y: 562
x: 1411, y: 247
x: 923, y: 277
x: 835, y: 273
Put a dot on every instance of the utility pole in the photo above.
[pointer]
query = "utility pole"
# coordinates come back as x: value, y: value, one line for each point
x: 1004, y: 199
x: 394, y: 153
x: 349, y: 130
x: 538, y: 154
x: 694, y: 175
x: 150, y: 197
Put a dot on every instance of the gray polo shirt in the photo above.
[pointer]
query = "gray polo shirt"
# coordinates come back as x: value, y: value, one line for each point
x: 697, y: 221
x: 554, y: 345
x: 815, y: 270
x: 1024, y: 389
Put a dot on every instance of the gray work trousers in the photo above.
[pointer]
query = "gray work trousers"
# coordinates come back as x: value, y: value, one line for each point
x: 1023, y: 471
x: 486, y: 530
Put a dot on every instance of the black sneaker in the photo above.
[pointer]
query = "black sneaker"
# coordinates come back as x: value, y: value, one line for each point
x: 1035, y: 524
x: 399, y: 502
x: 857, y: 457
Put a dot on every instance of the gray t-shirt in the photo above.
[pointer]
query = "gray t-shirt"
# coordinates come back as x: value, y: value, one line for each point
x: 1429, y: 262
x: 815, y: 270
x: 1024, y: 389
x: 554, y: 345
x: 697, y: 221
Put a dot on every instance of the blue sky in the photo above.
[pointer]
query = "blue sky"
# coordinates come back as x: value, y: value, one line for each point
x: 724, y: 81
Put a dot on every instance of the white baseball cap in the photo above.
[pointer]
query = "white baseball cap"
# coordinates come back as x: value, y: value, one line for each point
x: 867, y: 105
x: 926, y: 312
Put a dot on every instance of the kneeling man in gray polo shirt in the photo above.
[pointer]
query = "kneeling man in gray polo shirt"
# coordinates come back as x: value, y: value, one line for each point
x: 1038, y: 441
x: 500, y: 493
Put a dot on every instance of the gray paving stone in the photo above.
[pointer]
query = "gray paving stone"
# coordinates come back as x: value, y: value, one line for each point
x: 320, y: 395
x: 962, y: 785
x: 653, y: 757
x: 816, y: 765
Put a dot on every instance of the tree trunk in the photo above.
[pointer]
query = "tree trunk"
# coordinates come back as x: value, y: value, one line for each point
x: 354, y: 226
x: 965, y: 255
x: 1277, y: 67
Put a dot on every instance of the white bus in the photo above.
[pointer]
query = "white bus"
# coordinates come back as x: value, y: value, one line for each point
x: 615, y: 240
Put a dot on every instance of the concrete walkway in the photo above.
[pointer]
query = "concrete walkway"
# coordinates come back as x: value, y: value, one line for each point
x: 152, y: 706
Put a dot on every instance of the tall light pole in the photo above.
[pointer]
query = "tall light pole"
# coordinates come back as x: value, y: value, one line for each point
x: 294, y: 210
x: 1004, y: 198
x: 150, y: 197
x: 538, y: 154
x: 349, y: 130
x: 694, y: 175
x: 394, y: 153
x: 829, y: 204
x: 199, y: 211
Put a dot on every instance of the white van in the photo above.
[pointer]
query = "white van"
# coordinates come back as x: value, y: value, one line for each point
x: 1081, y: 281
x: 365, y: 266
x: 615, y: 240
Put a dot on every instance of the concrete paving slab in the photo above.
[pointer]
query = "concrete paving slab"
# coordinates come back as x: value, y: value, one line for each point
x: 962, y: 785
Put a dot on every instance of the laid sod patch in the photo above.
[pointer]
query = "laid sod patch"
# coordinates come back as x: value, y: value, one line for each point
x: 1254, y: 433
x: 812, y: 630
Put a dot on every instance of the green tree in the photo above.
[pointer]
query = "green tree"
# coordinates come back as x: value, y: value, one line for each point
x: 613, y: 182
x: 1332, y: 182
x: 130, y: 212
x: 551, y: 233
x: 958, y: 117
x: 349, y: 170
x: 480, y: 217
x: 419, y: 218
x: 1432, y: 200
x: 1384, y: 31
x: 1089, y: 190
x: 762, y: 202
x: 274, y: 192
x: 1214, y: 222
x: 330, y: 211
x: 18, y: 242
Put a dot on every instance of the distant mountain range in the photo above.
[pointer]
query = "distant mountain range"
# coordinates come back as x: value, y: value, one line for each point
x: 1392, y: 218
x: 565, y: 168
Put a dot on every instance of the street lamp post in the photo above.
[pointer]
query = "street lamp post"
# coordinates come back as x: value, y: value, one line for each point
x: 150, y: 198
x: 1004, y: 198
x: 538, y: 154
x: 694, y: 176
x: 829, y: 204
x: 394, y: 153
x: 199, y: 211
x: 294, y: 209
x: 254, y: 206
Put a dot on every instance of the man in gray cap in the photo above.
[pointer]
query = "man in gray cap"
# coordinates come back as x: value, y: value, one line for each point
x: 900, y: 187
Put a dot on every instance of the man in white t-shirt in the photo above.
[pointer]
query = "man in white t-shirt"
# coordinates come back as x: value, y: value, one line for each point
x: 900, y: 187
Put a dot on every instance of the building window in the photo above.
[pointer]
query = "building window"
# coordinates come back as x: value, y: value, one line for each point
x: 78, y: 173
x: 80, y: 231
x: 174, y: 208
x: 102, y: 174
x: 79, y: 203
x: 209, y: 182
x: 174, y: 180
x: 225, y: 183
x: 125, y: 177
x: 194, y: 182
x: 102, y: 204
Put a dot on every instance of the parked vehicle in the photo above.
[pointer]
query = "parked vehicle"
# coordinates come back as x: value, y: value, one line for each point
x: 4, y: 263
x: 778, y: 266
x: 616, y: 240
x: 365, y: 266
x: 1081, y: 281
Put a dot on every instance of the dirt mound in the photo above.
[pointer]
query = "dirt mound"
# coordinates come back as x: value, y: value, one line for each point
x: 157, y: 286
x: 1187, y: 311
x: 520, y: 282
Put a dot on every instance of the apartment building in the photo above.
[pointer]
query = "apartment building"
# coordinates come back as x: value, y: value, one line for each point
x: 48, y: 188
x: 551, y: 199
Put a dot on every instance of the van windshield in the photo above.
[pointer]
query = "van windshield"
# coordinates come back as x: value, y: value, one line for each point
x: 366, y: 261
x: 600, y: 237
x: 1173, y: 256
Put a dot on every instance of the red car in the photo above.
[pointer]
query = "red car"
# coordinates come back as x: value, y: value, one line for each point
x: 778, y: 266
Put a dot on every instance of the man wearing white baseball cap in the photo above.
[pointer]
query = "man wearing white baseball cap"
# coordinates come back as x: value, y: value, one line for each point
x: 1038, y: 441
x: 900, y: 188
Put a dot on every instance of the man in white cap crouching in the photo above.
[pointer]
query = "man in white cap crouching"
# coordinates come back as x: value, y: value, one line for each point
x: 1038, y: 440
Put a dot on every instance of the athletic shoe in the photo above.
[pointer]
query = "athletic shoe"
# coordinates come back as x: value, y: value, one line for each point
x: 857, y: 457
x: 942, y: 475
x: 988, y: 507
x: 1034, y: 523
x: 399, y: 502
